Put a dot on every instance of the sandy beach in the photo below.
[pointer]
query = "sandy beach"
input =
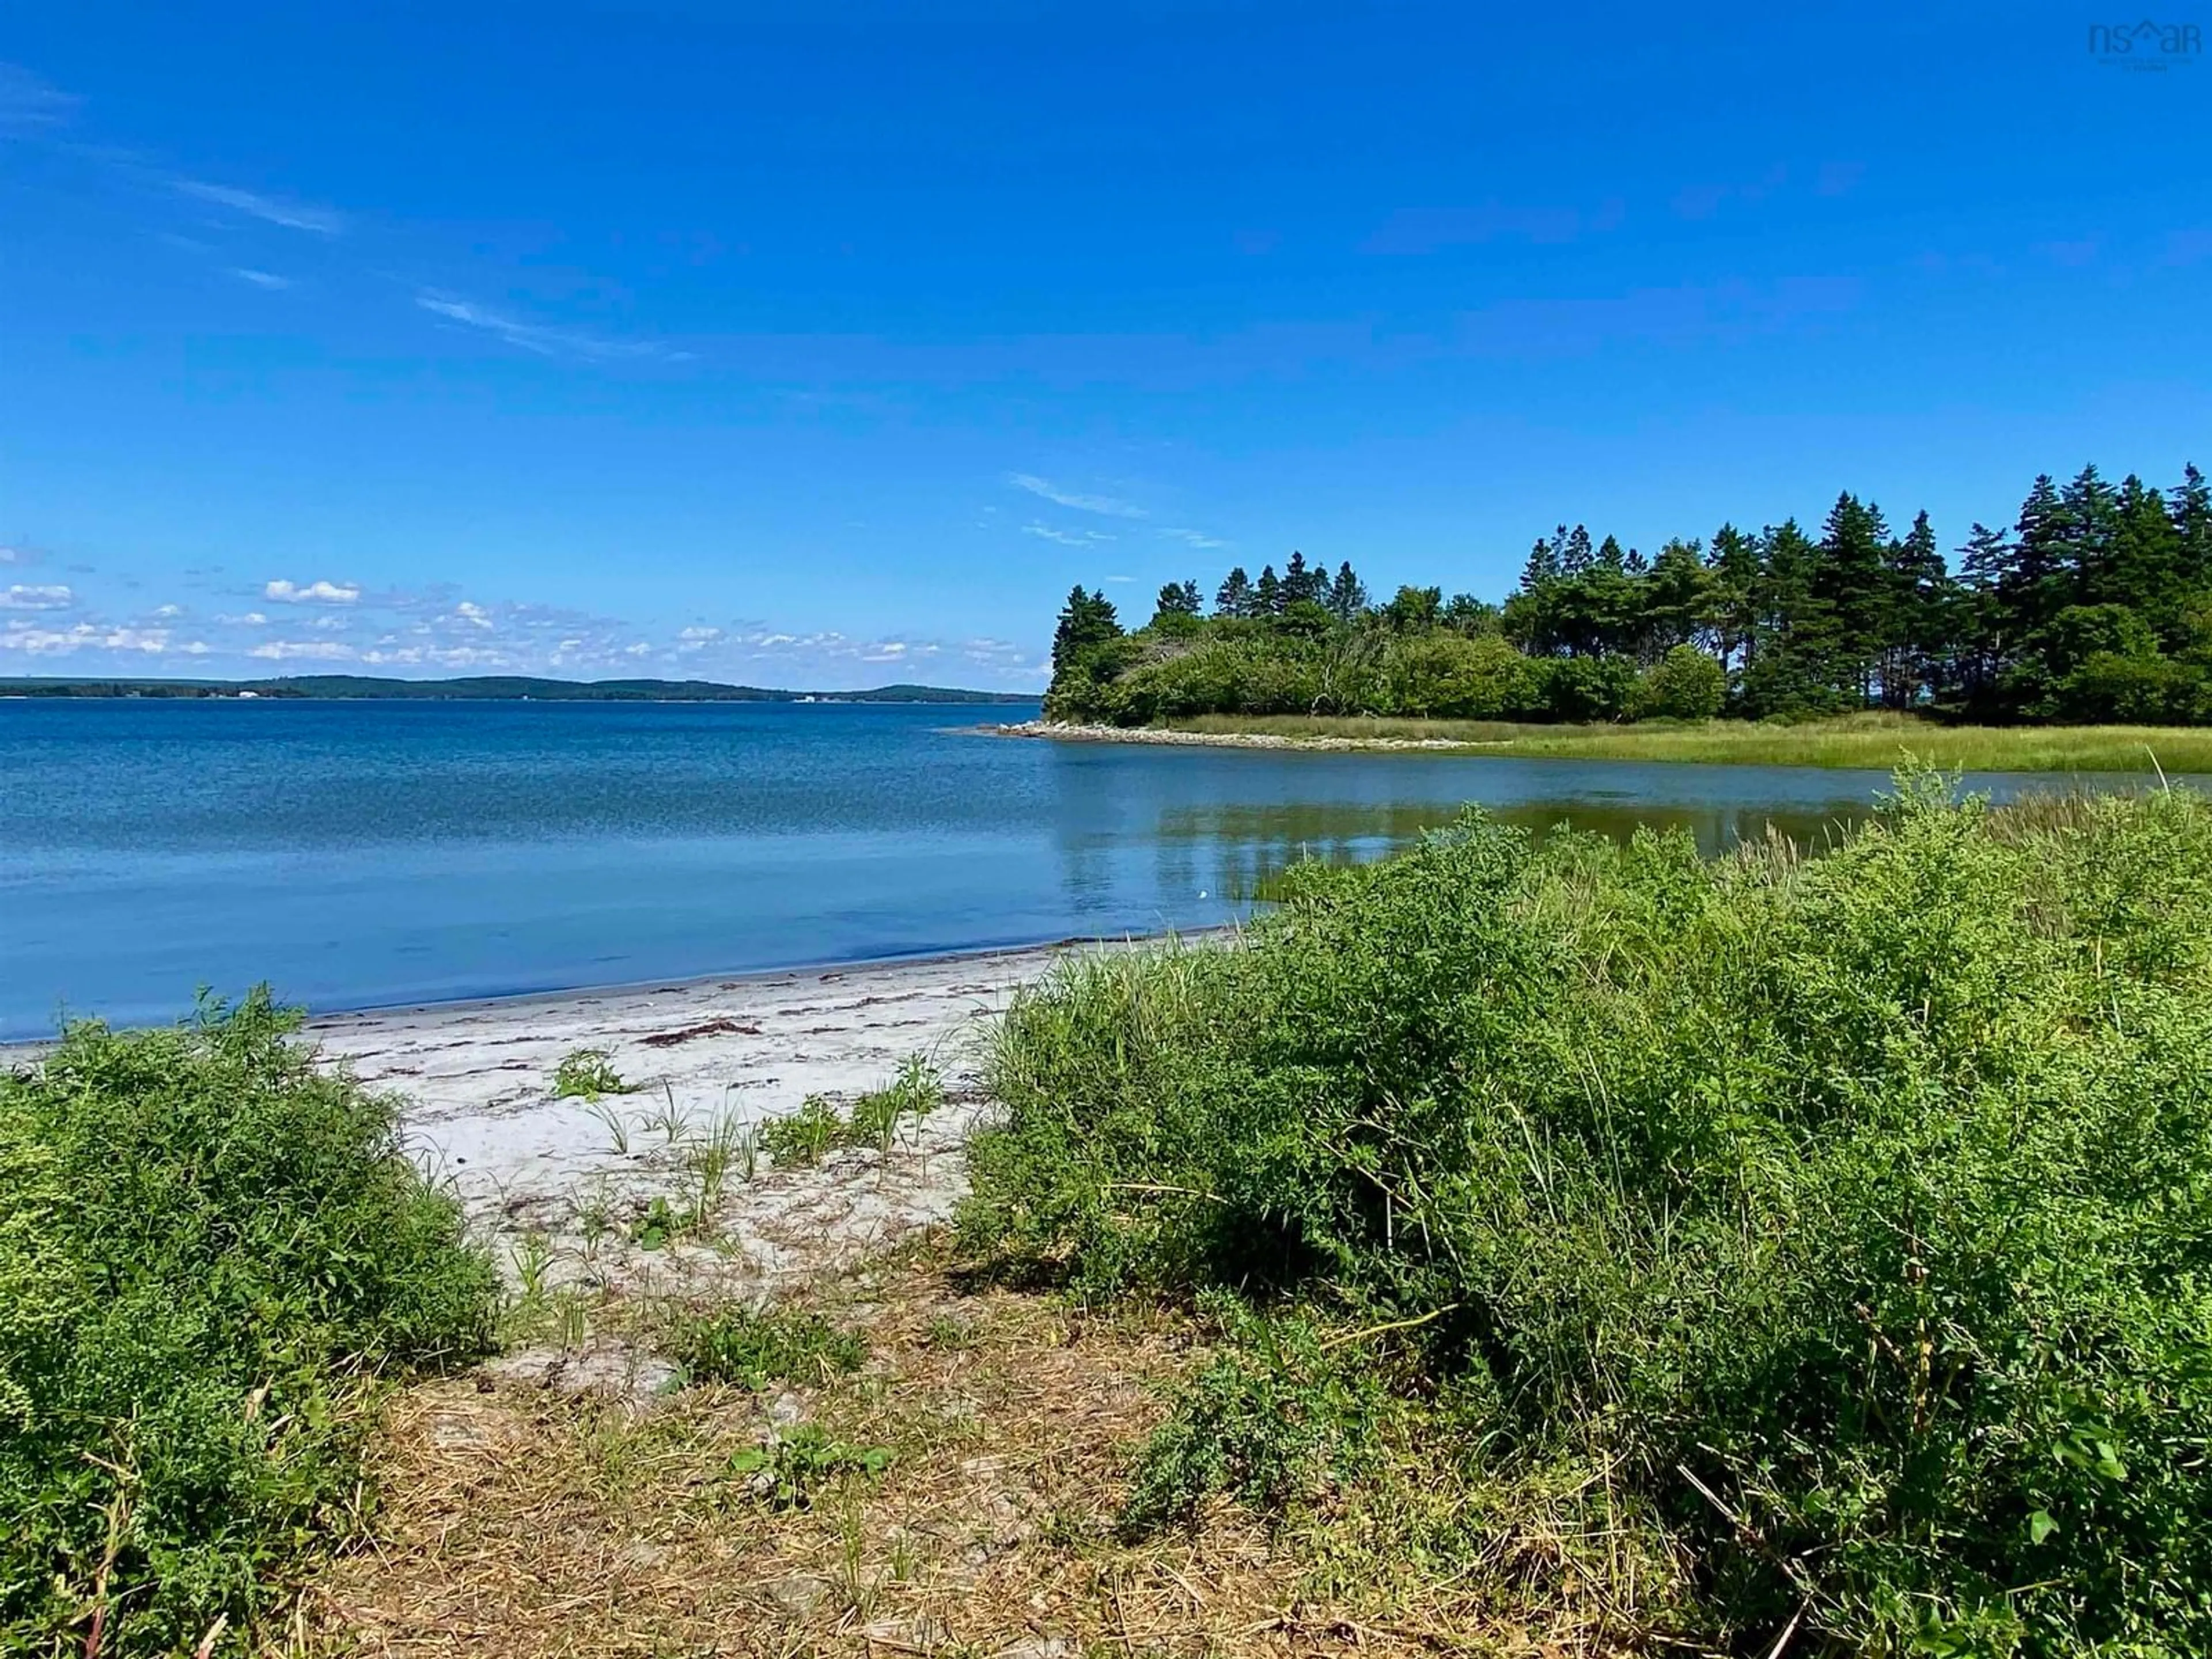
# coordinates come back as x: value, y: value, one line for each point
x: 562, y: 1183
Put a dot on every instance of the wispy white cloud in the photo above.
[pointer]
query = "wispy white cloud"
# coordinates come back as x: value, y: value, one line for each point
x: 1197, y: 538
x: 1066, y: 538
x: 292, y: 215
x: 267, y: 279
x: 21, y: 597
x: 545, y: 339
x: 26, y: 100
x: 315, y: 592
x: 1107, y: 506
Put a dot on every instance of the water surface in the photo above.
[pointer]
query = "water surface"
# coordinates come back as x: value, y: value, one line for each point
x: 356, y: 854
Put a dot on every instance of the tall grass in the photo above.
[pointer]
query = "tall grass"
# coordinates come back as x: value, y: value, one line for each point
x: 210, y: 1252
x: 1873, y: 740
x: 1849, y: 1218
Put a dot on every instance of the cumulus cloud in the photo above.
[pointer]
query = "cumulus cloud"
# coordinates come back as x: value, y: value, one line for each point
x: 475, y: 615
x: 315, y: 592
x: 93, y: 636
x: 1107, y: 506
x: 20, y: 596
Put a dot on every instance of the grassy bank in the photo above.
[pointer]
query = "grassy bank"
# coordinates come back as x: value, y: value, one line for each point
x: 209, y: 1255
x: 1877, y: 741
x: 1766, y: 1252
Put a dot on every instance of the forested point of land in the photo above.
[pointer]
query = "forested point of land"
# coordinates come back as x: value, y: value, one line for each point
x: 2095, y: 606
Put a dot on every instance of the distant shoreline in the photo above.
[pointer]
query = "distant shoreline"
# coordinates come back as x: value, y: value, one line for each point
x: 501, y: 688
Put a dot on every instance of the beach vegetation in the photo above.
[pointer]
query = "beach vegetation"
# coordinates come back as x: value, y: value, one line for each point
x: 1777, y: 1249
x: 212, y: 1256
x: 589, y: 1074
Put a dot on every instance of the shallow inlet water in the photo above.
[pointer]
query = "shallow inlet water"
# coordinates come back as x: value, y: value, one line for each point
x: 358, y: 854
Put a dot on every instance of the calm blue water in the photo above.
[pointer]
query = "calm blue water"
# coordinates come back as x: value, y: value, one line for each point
x: 361, y: 853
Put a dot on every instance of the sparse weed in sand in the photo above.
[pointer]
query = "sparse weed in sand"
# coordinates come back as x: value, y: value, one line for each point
x: 587, y: 1074
x: 791, y: 1473
x: 804, y: 1137
x: 778, y: 1345
x: 617, y: 1123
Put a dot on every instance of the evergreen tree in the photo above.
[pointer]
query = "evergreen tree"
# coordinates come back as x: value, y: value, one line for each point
x: 1268, y: 593
x: 1235, y: 596
x: 1575, y: 554
x: 1348, y: 595
x: 1086, y: 622
x: 1177, y: 600
x: 1733, y: 570
x: 1300, y: 584
x: 1542, y: 568
x: 1851, y: 584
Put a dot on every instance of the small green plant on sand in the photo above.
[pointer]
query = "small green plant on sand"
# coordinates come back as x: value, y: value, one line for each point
x: 914, y: 1092
x: 804, y: 1137
x: 737, y: 1345
x: 791, y: 1471
x: 589, y: 1074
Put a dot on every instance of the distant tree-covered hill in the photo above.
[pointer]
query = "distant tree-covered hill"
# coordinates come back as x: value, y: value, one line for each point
x: 496, y: 688
x: 2095, y: 605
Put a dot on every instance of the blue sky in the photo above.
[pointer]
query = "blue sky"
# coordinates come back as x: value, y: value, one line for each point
x: 828, y: 345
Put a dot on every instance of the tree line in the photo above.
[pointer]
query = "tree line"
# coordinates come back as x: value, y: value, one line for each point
x: 2093, y: 605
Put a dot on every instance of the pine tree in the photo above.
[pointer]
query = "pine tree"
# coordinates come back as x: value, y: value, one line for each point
x: 1301, y: 584
x: 1086, y: 621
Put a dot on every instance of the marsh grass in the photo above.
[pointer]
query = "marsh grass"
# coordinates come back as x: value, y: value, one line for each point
x: 1802, y: 1247
x: 1874, y: 741
x: 211, y: 1253
x: 754, y: 1349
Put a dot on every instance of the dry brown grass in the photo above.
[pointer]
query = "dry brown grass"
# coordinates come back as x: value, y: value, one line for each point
x: 515, y: 1521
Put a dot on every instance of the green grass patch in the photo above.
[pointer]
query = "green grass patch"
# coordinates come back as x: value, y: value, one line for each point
x: 211, y: 1253
x: 1874, y: 741
x: 1829, y: 1237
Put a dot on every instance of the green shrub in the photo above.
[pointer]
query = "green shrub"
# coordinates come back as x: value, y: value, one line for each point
x: 209, y: 1252
x: 1685, y: 684
x: 1855, y: 1212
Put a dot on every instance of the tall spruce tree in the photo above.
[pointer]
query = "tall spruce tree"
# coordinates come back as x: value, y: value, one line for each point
x: 1348, y: 594
x: 1234, y: 598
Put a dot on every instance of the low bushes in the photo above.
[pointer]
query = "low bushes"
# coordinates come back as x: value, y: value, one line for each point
x: 208, y: 1253
x: 1851, y: 1217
